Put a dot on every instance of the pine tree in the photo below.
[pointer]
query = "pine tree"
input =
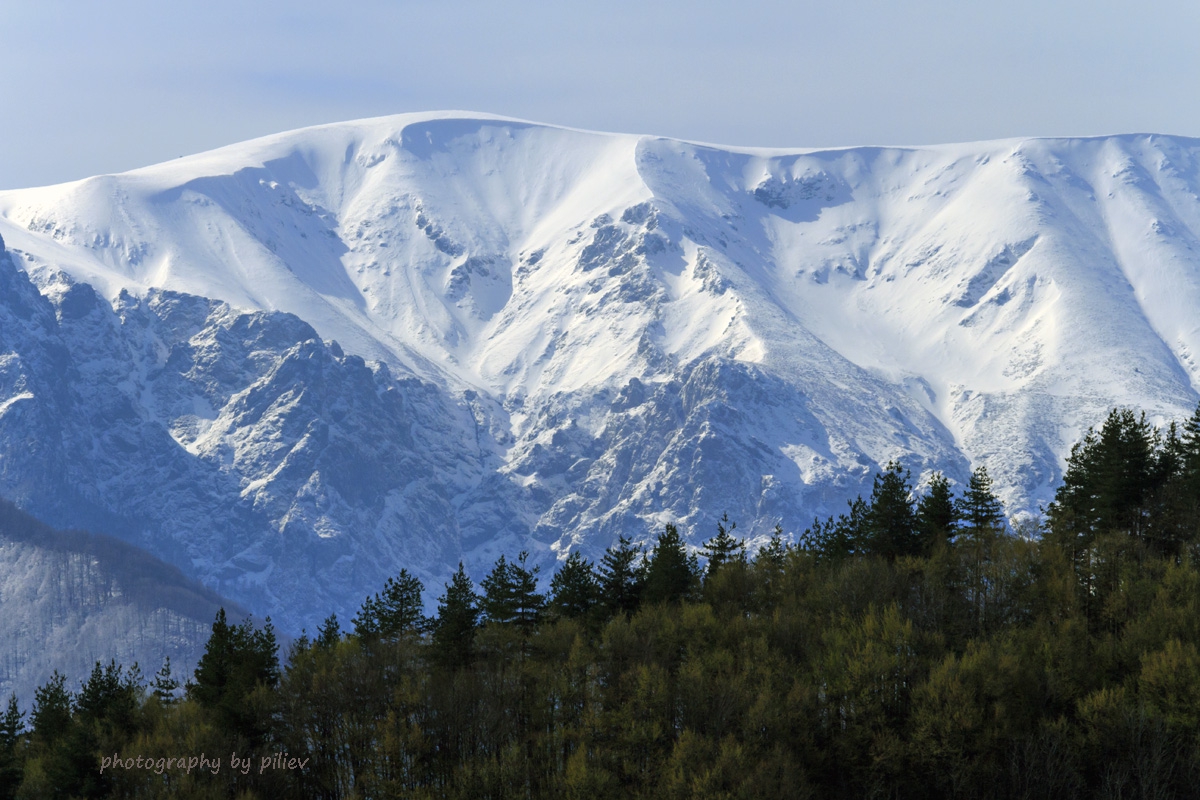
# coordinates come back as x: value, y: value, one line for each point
x: 937, y: 514
x: 165, y: 685
x: 457, y: 618
x: 670, y: 575
x: 723, y: 548
x: 774, y: 553
x: 499, y: 593
x: 891, y: 524
x: 983, y: 516
x: 12, y: 731
x: 979, y: 509
x: 529, y: 603
x: 575, y: 588
x: 329, y: 633
x: 236, y: 659
x: 53, y: 705
x: 835, y: 540
x: 396, y: 611
x: 1189, y: 447
x: 109, y: 697
x: 621, y: 577
x: 1110, y: 475
x: 265, y: 650
x: 769, y: 565
x: 1178, y: 500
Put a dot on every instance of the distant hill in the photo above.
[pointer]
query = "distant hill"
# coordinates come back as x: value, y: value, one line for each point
x: 70, y: 598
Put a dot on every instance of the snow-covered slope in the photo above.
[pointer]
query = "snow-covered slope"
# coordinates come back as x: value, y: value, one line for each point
x: 72, y: 598
x: 593, y: 334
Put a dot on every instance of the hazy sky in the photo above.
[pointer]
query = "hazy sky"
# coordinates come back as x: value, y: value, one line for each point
x: 92, y: 87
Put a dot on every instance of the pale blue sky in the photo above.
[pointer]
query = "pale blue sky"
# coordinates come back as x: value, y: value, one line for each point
x: 92, y: 87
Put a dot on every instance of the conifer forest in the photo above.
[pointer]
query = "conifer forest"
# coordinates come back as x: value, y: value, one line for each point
x: 916, y: 645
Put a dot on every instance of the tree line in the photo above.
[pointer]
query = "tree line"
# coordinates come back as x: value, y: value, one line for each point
x: 914, y: 646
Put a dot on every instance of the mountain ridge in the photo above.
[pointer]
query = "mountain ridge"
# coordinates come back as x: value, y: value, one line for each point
x: 616, y: 331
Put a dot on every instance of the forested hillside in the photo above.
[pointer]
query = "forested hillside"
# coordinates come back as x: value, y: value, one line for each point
x: 912, y: 647
x: 68, y: 597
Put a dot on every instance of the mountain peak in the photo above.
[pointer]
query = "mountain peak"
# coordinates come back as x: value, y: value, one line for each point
x: 625, y: 330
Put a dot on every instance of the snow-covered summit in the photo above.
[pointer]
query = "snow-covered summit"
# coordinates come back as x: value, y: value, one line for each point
x: 639, y: 329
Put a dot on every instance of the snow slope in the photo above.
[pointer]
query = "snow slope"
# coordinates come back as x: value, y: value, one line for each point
x: 71, y: 599
x: 615, y: 331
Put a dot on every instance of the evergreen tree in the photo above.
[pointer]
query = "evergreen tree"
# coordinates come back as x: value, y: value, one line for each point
x: 575, y: 588
x: 237, y: 658
x: 774, y: 552
x: 499, y: 586
x: 979, y: 508
x: 937, y: 514
x: 621, y: 577
x: 165, y: 685
x: 1189, y: 449
x: 769, y: 565
x: 53, y: 706
x: 528, y: 602
x: 1109, y: 477
x: 264, y: 649
x: 891, y: 524
x: 723, y: 548
x: 983, y: 516
x: 12, y: 732
x: 457, y: 618
x: 1177, y: 502
x: 110, y: 697
x: 397, y: 611
x: 670, y: 575
x: 329, y: 633
x: 55, y: 744
x: 833, y: 541
x: 1170, y: 457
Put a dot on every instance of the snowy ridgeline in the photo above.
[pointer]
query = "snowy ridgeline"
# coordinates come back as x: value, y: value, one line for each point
x: 70, y: 599
x: 567, y: 336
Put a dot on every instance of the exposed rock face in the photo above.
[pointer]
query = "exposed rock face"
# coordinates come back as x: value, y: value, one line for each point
x: 269, y: 464
x: 567, y: 337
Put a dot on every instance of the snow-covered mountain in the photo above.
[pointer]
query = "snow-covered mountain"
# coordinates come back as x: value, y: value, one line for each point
x: 568, y: 336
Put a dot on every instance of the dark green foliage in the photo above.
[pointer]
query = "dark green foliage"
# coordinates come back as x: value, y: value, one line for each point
x: 110, y: 697
x: 833, y: 541
x: 671, y: 576
x: 510, y: 594
x: 1127, y: 492
x: 53, y: 704
x: 621, y: 577
x: 70, y: 730
x: 12, y: 735
x: 1175, y: 494
x: 457, y: 619
x: 236, y: 660
x: 979, y: 509
x: 329, y: 633
x: 499, y: 587
x: 575, y: 589
x: 890, y: 522
x: 937, y: 514
x: 393, y: 613
x: 775, y: 551
x: 723, y: 549
x: 1188, y: 447
x: 1109, y: 476
x: 984, y: 665
x: 165, y: 685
